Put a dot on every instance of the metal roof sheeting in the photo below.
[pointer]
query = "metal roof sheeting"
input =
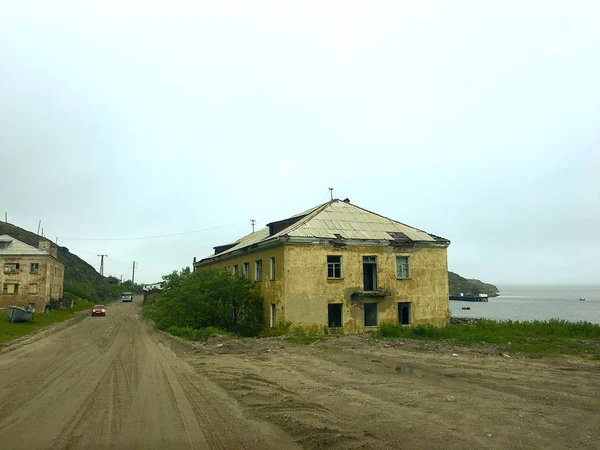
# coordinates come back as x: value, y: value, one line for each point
x: 18, y: 248
x: 337, y: 217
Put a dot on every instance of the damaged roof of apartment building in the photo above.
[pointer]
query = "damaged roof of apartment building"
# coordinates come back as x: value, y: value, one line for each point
x: 337, y: 221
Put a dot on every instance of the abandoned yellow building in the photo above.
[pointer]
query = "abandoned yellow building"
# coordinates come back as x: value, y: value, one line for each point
x: 340, y: 266
x: 29, y: 275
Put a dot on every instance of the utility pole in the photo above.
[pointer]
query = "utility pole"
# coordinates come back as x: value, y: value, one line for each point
x: 39, y: 225
x: 121, y: 280
x: 252, y: 221
x: 6, y: 217
x: 133, y: 274
x: 102, y: 264
x: 331, y: 192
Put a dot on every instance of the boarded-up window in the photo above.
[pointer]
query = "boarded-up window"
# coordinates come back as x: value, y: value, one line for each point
x: 272, y: 269
x: 371, y: 313
x: 33, y: 288
x: 402, y: 267
x: 10, y: 288
x: 334, y: 313
x: 334, y: 266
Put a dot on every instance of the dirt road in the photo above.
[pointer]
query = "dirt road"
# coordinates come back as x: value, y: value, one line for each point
x: 107, y: 383
x: 115, y: 383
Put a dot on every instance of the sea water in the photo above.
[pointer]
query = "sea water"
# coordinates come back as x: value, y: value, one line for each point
x: 528, y: 302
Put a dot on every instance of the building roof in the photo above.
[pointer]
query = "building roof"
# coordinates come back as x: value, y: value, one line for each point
x: 335, y: 220
x: 18, y: 248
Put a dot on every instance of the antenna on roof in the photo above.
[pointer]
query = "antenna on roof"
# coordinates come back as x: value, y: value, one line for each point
x: 331, y: 192
x: 252, y: 221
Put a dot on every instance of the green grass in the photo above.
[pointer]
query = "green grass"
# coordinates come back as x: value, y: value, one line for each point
x: 10, y: 331
x: 534, y: 338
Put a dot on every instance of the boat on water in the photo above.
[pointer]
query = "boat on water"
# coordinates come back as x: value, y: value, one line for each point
x: 20, y: 314
x: 470, y: 298
x: 582, y: 299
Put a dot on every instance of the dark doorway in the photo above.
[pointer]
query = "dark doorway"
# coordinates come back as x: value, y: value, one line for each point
x: 371, y: 319
x: 334, y: 313
x: 369, y: 273
x: 404, y: 313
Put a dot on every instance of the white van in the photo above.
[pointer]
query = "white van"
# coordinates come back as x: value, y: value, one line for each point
x: 127, y: 297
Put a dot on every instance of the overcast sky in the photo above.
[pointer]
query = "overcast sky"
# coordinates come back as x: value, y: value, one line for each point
x: 476, y: 121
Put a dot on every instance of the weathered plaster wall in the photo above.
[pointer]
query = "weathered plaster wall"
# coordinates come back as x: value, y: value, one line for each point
x: 49, y: 279
x: 270, y: 290
x: 308, y: 290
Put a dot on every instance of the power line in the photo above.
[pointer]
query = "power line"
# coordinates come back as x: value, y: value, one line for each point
x: 153, y: 237
x: 102, y: 264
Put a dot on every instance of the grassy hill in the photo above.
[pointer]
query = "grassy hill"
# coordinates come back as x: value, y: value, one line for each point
x: 459, y: 284
x: 81, y: 279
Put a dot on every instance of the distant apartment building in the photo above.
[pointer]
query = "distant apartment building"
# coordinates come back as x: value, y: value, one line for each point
x: 29, y: 275
x: 340, y: 266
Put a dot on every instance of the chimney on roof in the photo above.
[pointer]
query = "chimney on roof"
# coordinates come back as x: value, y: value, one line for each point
x: 46, y: 246
x: 346, y: 200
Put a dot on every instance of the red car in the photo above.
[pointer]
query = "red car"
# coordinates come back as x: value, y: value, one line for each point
x: 99, y: 310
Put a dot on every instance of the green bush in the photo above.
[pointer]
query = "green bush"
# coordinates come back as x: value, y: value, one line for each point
x: 279, y: 330
x: 208, y: 298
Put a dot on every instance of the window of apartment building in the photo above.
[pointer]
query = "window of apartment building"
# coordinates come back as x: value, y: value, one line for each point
x: 272, y: 268
x: 273, y: 318
x: 369, y: 273
x: 33, y: 288
x: 334, y: 266
x: 10, y: 288
x: 404, y: 313
x: 402, y: 267
x: 11, y: 267
x: 258, y: 270
x: 334, y: 315
x: 246, y: 270
x: 236, y: 270
x: 34, y: 268
x: 371, y: 315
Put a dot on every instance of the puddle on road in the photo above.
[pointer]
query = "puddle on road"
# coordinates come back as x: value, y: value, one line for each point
x: 407, y: 370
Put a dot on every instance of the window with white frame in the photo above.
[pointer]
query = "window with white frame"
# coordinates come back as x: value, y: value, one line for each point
x: 402, y: 267
x: 258, y: 270
x: 236, y: 270
x: 334, y: 266
x: 246, y: 269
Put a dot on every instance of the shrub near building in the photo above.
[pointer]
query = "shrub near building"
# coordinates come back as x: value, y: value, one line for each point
x: 207, y: 298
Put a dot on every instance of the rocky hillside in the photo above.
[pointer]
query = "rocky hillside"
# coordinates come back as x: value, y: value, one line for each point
x: 81, y: 279
x: 459, y: 284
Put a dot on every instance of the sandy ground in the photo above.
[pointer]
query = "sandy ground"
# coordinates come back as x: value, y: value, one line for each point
x: 115, y: 383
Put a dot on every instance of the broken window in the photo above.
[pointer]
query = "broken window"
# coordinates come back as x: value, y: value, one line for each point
x: 273, y: 320
x: 402, y: 267
x: 334, y: 266
x: 10, y: 288
x: 35, y: 268
x: 236, y: 270
x: 246, y: 269
x: 272, y: 268
x: 258, y: 270
x: 371, y: 313
x: 334, y: 315
x: 404, y: 313
x: 369, y: 273
x: 11, y: 267
x: 33, y: 288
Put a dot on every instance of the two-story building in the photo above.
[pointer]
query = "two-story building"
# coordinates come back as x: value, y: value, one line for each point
x: 29, y: 275
x: 340, y: 266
